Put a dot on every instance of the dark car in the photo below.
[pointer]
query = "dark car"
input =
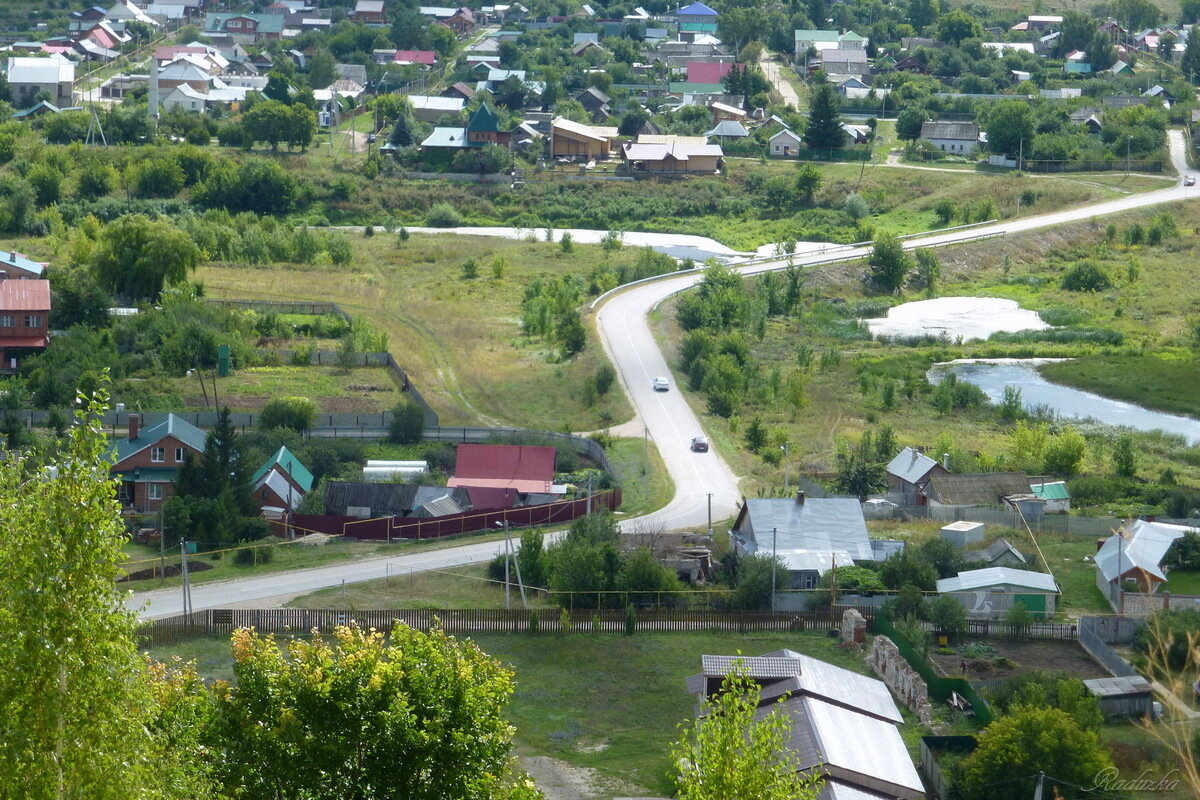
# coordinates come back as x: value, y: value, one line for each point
x: 700, y: 444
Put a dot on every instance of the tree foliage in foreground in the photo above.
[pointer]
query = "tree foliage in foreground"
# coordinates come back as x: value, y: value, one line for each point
x: 77, y: 707
x: 417, y: 716
x: 725, y: 753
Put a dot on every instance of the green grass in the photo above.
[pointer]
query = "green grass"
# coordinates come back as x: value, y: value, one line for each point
x: 1163, y: 384
x: 1076, y: 577
x: 644, y: 487
x: 463, y: 587
x: 1182, y: 581
x: 606, y: 702
x: 334, y: 390
x: 459, y: 340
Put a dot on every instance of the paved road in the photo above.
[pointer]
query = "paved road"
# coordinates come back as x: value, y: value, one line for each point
x: 773, y: 67
x: 624, y: 330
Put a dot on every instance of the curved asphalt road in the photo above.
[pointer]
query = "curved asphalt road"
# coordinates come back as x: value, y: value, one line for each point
x: 667, y: 418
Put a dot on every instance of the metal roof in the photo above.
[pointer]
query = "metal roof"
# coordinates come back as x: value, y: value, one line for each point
x: 994, y: 551
x: 446, y: 137
x: 1056, y: 490
x: 32, y: 70
x: 976, y: 579
x: 288, y: 463
x: 1142, y: 547
x: 940, y: 129
x: 11, y: 258
x: 911, y: 465
x: 450, y: 105
x: 1118, y: 687
x: 819, y: 524
x: 172, y: 425
x: 280, y: 486
x: 841, y: 686
x: 761, y: 668
x: 696, y: 10
x: 730, y: 128
x: 521, y: 467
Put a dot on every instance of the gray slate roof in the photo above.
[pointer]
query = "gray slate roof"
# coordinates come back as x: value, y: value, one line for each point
x: 1118, y: 687
x: 959, y: 131
x: 820, y: 524
x: 976, y: 489
x: 911, y: 465
x: 994, y: 551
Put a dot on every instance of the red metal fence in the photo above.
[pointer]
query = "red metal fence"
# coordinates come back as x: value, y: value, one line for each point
x: 389, y: 528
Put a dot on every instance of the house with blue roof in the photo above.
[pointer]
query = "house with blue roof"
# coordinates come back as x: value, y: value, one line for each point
x: 697, y: 18
x: 282, y: 481
x: 18, y: 266
x: 147, y: 461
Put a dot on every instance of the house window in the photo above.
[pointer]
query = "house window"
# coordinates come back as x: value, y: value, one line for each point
x: 178, y: 455
x: 155, y: 491
x: 33, y: 320
x: 8, y: 321
x: 158, y: 454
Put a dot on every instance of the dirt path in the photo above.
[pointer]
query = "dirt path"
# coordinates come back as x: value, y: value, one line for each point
x: 559, y: 780
x: 773, y: 70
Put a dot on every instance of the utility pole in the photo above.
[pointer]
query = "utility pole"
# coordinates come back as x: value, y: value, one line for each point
x: 710, y: 515
x: 589, y: 500
x: 507, y: 556
x: 774, y: 558
x: 187, y: 589
x: 1037, y: 792
x: 1128, y: 143
x: 784, y: 448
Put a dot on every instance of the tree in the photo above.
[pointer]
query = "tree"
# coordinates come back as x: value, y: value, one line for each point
x: 322, y: 69
x: 277, y: 87
x: 531, y: 559
x: 958, y: 25
x: 738, y: 25
x: 1064, y: 452
x: 752, y: 589
x: 1008, y: 124
x: 859, y: 472
x: 1016, y: 748
x: 1190, y: 63
x: 646, y: 578
x: 948, y: 616
x: 408, y: 423
x: 929, y: 269
x: 908, y: 569
x: 301, y: 127
x: 824, y: 130
x: 909, y: 122
x: 136, y: 257
x: 726, y: 753
x: 269, y: 122
x: 416, y: 715
x: 402, y: 132
x: 808, y: 180
x: 922, y: 13
x: 77, y: 708
x: 889, y: 263
x: 1124, y: 456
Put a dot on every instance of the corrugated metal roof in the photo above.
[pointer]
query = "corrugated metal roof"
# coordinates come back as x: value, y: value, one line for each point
x: 839, y: 685
x: 446, y: 137
x: 729, y: 128
x: 290, y: 464
x: 280, y: 486
x: 25, y: 295
x: 940, y: 129
x: 975, y: 579
x: 521, y: 467
x: 911, y: 465
x: 761, y: 668
x: 1056, y: 490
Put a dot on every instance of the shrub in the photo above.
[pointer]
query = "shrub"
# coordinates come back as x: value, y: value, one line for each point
x: 443, y: 215
x: 252, y: 556
x: 297, y: 413
x: 1086, y: 277
x: 605, y: 375
x: 408, y: 423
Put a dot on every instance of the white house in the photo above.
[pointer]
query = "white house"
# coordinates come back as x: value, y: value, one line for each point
x: 784, y: 144
x: 29, y: 76
x: 960, y: 138
x: 992, y: 591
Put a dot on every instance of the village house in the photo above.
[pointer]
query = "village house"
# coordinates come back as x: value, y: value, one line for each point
x: 960, y: 138
x: 242, y: 28
x: 908, y: 475
x: 1134, y: 554
x: 784, y: 144
x: 147, y: 461
x: 966, y: 490
x: 697, y: 18
x: 281, y: 482
x: 368, y: 12
x: 18, y: 266
x: 28, y: 77
x: 570, y: 139
x: 672, y: 154
x: 992, y: 592
x: 24, y: 319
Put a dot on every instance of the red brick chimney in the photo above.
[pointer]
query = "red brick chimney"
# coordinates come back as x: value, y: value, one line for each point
x: 134, y: 426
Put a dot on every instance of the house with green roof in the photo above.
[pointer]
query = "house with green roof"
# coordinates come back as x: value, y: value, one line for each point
x: 282, y: 481
x: 242, y: 28
x: 1054, y: 493
x: 147, y: 461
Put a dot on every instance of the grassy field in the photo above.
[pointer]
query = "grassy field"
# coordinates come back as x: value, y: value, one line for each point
x: 464, y: 587
x: 609, y: 703
x: 334, y: 390
x: 645, y: 486
x: 1182, y: 581
x: 1076, y: 577
x: 460, y: 340
x: 1164, y: 384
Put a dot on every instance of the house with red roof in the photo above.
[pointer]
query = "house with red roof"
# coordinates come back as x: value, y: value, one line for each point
x: 423, y: 57
x: 24, y: 319
x: 708, y: 71
x: 526, y: 469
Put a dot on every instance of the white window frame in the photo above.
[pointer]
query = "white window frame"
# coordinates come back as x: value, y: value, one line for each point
x: 179, y: 455
x: 155, y: 492
x: 158, y: 455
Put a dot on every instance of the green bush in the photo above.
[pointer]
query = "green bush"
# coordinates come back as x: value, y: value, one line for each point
x: 443, y: 215
x: 297, y: 413
x: 1086, y: 277
x: 253, y: 556
x: 408, y: 423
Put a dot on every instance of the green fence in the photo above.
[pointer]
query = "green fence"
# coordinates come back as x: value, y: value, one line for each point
x: 940, y: 687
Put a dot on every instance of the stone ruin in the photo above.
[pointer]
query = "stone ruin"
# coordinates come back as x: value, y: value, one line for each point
x: 885, y: 660
x: 854, y: 628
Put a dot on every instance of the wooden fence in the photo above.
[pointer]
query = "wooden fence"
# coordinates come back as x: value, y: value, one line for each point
x: 390, y: 528
x: 481, y: 620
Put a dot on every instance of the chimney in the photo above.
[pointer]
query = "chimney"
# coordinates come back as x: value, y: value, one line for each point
x: 800, y: 497
x: 134, y: 426
x: 946, y: 461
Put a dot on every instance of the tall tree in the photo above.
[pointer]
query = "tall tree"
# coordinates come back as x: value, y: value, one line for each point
x: 1190, y: 64
x: 824, y: 129
x: 725, y: 753
x: 136, y: 256
x: 958, y: 25
x: 1008, y: 124
x: 889, y: 263
x: 76, y: 710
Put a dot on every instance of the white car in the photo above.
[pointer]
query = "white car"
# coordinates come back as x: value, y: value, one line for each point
x: 1190, y: 180
x: 661, y: 385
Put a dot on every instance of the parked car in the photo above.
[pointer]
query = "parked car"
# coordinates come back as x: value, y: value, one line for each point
x: 662, y: 385
x: 699, y: 444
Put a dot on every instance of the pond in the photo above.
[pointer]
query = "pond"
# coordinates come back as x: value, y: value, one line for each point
x: 1036, y: 392
x: 968, y: 317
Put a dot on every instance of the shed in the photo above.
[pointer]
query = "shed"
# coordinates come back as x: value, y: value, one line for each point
x: 784, y: 144
x: 962, y: 533
x: 1054, y: 494
x: 992, y: 591
x: 1130, y: 696
x: 999, y: 553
